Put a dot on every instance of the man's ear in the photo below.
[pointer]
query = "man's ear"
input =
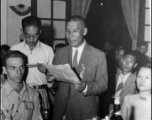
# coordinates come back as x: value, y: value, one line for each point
x: 21, y: 30
x: 85, y: 31
x: 135, y: 65
x: 4, y: 70
x: 40, y: 31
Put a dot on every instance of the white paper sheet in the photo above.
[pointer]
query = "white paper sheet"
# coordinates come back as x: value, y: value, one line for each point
x: 63, y: 73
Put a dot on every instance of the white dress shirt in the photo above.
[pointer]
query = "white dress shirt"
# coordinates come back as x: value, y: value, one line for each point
x: 80, y: 50
x: 121, y: 78
x: 42, y: 53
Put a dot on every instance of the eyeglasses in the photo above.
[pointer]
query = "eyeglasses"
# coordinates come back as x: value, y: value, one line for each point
x: 29, y: 36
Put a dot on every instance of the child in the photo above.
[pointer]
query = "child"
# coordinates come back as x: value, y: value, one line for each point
x: 138, y: 106
x: 125, y: 81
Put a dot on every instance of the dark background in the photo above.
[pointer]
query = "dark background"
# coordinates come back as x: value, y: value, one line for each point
x: 106, y: 23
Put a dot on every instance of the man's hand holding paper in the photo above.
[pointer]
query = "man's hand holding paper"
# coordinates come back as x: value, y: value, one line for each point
x: 62, y: 73
x: 41, y: 68
x: 80, y: 86
x: 50, y: 77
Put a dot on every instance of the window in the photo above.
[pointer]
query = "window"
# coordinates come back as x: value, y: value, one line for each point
x: 53, y: 14
x: 144, y: 31
x: 147, y: 32
x: 147, y: 21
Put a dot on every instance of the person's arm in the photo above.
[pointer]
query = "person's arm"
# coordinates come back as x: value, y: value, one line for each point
x: 50, y: 55
x: 124, y: 110
x: 99, y: 84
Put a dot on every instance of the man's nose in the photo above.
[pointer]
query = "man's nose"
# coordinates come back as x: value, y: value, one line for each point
x: 31, y: 38
x: 127, y: 63
x: 71, y: 34
x: 19, y: 71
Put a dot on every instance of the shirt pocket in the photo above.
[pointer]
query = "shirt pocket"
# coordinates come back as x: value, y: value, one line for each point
x: 29, y: 105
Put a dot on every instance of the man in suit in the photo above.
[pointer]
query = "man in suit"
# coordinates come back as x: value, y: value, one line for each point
x: 127, y: 78
x: 80, y: 101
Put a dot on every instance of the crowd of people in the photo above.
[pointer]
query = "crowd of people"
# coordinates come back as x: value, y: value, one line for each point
x: 30, y: 92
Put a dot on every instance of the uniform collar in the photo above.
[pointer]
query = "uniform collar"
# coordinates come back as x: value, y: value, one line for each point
x: 9, y: 89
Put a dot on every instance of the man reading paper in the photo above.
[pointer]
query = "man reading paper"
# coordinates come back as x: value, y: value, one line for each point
x: 79, y: 101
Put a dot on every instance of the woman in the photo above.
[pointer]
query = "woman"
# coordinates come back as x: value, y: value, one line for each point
x: 138, y: 106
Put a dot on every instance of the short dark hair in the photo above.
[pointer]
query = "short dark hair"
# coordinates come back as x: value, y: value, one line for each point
x: 78, y: 19
x: 131, y: 52
x: 146, y: 65
x: 5, y: 47
x: 120, y: 48
x: 31, y: 21
x: 13, y: 54
x: 143, y: 43
x: 60, y: 45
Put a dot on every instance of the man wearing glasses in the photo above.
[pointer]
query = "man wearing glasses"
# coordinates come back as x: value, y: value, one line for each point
x: 37, y: 53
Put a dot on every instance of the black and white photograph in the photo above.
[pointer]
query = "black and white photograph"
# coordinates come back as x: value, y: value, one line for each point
x: 75, y: 59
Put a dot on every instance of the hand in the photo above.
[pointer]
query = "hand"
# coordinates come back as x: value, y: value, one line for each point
x: 41, y: 68
x: 50, y: 78
x: 80, y: 86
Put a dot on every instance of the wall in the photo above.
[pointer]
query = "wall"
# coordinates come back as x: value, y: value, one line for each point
x: 11, y: 22
x: 147, y: 33
x: 3, y: 21
x: 14, y: 21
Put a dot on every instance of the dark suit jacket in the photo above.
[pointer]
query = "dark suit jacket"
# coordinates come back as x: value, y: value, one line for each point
x: 129, y: 87
x: 95, y: 75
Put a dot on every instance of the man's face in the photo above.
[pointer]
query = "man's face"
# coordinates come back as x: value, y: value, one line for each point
x: 107, y: 46
x: 15, y: 69
x: 31, y: 34
x: 119, y: 57
x: 144, y: 79
x: 75, y: 32
x: 128, y: 63
x: 143, y: 49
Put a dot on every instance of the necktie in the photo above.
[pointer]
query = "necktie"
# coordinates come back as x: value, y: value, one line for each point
x: 75, y: 59
x: 120, y: 86
x: 74, y: 65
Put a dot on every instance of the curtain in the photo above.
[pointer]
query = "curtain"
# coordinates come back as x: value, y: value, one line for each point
x: 131, y: 13
x: 80, y: 7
